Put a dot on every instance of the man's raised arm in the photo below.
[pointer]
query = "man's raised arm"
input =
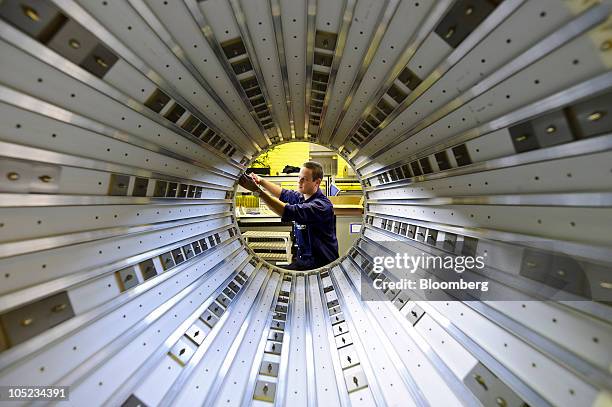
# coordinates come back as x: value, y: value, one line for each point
x: 273, y: 203
x: 271, y: 187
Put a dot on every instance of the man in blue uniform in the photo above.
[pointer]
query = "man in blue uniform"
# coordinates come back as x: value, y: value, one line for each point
x: 311, y: 212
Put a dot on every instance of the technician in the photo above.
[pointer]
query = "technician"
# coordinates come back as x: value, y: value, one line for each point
x: 311, y: 212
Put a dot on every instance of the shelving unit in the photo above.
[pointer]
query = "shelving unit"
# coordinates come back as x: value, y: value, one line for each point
x: 270, y: 245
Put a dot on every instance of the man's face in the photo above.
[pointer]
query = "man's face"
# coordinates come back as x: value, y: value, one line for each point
x: 306, y: 185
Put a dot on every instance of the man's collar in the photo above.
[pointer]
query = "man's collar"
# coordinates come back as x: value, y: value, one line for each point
x: 316, y: 194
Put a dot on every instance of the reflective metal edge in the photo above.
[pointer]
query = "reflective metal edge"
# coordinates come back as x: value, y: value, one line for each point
x: 280, y: 46
x: 41, y: 108
x: 130, y: 384
x: 521, y: 388
x: 499, y: 279
x: 347, y: 19
x: 516, y: 384
x: 287, y: 336
x: 247, y: 396
x: 17, y: 151
x: 497, y: 17
x: 518, y: 283
x: 412, y: 387
x: 415, y: 41
x: 450, y: 379
x: 364, y: 359
x: 212, y: 394
x: 25, y: 295
x: 588, y: 88
x: 569, y: 199
x: 343, y: 395
x: 568, y: 32
x: 310, y: 373
x: 21, y: 247
x: 580, y: 250
x: 164, y: 36
x: 79, y: 374
x: 577, y: 148
x: 79, y: 14
x: 382, y: 23
x: 589, y: 372
x: 311, y: 21
x: 206, y: 30
x: 8, y: 200
x: 240, y: 19
x: 31, y: 348
x: 179, y: 383
x: 28, y: 45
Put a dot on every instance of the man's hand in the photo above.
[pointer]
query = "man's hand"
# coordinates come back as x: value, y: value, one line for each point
x: 255, y: 178
x: 248, y: 183
x: 274, y: 189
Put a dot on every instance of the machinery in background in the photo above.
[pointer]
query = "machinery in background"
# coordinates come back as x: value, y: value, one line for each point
x: 254, y: 217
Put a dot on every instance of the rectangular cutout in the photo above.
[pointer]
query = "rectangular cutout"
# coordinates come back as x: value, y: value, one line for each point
x: 425, y: 165
x: 416, y: 169
x: 523, y: 138
x: 172, y: 189
x: 264, y: 391
x: 450, y: 241
x: 462, y: 155
x: 157, y: 101
x: 167, y: 261
x: 140, y: 187
x: 415, y: 314
x: 175, y: 113
x: 591, y: 117
x: 182, y: 351
x: 188, y: 250
x: 325, y: 40
x: 38, y: 19
x: 99, y: 61
x: 273, y: 348
x: 463, y: 18
x: 127, y: 278
x: 118, y: 185
x: 196, y: 332
x: 209, y: 318
x: 409, y: 78
x: 160, y: 188
x: 190, y: 123
x: 233, y: 48
x: 442, y: 160
x: 147, y: 269
x: 73, y: 42
x: 32, y: 319
x: 183, y: 191
x: 269, y: 368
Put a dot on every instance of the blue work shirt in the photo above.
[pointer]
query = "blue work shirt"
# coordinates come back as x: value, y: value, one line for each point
x: 313, y: 227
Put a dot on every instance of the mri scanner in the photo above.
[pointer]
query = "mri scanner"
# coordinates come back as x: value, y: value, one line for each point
x: 476, y: 128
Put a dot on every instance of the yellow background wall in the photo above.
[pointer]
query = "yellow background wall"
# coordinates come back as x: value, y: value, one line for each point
x: 288, y: 154
x: 294, y: 154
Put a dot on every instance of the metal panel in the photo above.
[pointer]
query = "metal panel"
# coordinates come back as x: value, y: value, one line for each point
x: 473, y: 136
x: 26, y: 322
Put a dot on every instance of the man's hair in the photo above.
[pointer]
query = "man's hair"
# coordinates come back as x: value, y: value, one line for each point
x: 316, y: 168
